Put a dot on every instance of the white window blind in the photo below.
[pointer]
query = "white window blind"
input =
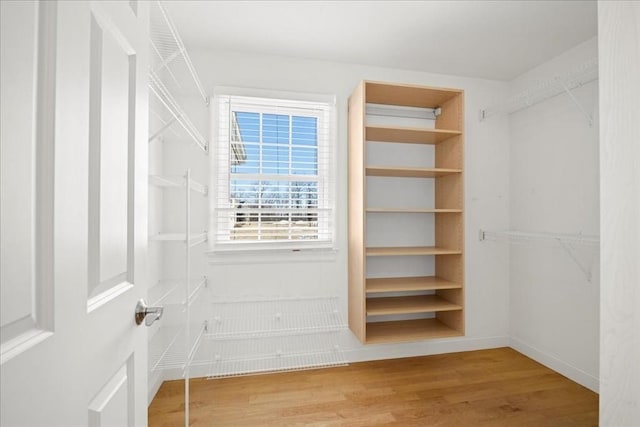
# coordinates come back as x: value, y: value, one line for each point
x: 273, y: 176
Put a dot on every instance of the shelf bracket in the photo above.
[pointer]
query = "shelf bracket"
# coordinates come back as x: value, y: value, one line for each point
x: 586, y: 269
x: 163, y: 128
x: 577, y: 103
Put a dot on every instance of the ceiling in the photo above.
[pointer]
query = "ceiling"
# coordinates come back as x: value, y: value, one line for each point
x: 486, y: 39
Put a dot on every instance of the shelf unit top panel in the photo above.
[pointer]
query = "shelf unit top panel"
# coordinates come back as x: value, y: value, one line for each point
x: 410, y: 250
x: 408, y: 95
x: 409, y: 304
x: 408, y: 135
x: 408, y: 330
x: 405, y: 172
x: 408, y: 284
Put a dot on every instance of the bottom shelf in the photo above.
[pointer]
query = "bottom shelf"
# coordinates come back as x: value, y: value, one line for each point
x: 242, y: 356
x: 408, y: 330
x: 168, y: 348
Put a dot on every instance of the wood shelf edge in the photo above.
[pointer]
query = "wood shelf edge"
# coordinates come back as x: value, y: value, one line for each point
x: 409, y: 251
x: 409, y: 305
x: 408, y: 331
x: 376, y: 285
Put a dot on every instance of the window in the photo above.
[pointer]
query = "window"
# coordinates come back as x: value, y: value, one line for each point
x: 273, y: 174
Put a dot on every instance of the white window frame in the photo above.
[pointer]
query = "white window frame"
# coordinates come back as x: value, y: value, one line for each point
x: 221, y: 168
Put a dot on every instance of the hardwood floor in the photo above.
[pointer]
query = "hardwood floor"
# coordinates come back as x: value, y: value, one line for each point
x: 498, y: 387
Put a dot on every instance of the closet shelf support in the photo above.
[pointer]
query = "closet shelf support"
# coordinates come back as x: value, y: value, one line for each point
x: 163, y: 128
x: 565, y: 241
x: 577, y: 103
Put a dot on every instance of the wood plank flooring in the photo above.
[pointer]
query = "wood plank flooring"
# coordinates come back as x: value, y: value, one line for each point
x: 498, y: 387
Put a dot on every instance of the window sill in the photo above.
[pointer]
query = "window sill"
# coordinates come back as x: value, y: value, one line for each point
x: 270, y: 256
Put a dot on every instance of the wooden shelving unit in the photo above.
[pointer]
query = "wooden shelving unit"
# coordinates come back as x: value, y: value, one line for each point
x: 383, y: 309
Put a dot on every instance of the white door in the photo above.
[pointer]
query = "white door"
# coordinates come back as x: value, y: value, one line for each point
x: 73, y: 213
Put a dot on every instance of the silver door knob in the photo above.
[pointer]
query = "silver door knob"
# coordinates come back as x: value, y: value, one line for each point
x: 146, y: 313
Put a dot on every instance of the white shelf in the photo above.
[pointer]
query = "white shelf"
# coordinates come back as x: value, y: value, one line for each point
x: 513, y: 235
x: 255, y: 318
x: 570, y: 243
x: 171, y: 73
x: 168, y: 347
x: 173, y: 114
x: 169, y: 56
x: 256, y: 336
x: 554, y: 86
x: 194, y: 239
x: 177, y: 182
x: 173, y: 291
x: 242, y: 356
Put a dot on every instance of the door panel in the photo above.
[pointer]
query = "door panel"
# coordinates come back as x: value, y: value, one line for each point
x: 26, y: 211
x: 86, y: 209
x: 110, y: 407
x: 112, y: 136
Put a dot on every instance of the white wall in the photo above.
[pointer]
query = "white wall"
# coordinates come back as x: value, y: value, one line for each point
x: 554, y: 177
x: 294, y: 274
x: 619, y: 46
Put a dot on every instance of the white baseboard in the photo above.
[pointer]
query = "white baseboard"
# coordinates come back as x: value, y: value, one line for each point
x: 423, y: 348
x: 575, y: 374
x: 155, y: 381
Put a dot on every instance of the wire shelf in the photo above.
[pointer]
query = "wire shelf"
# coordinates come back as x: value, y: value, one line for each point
x: 168, y: 348
x: 173, y: 113
x: 569, y: 243
x: 177, y: 182
x: 173, y: 291
x: 194, y: 239
x: 244, y: 356
x: 256, y: 318
x: 562, y: 83
x: 170, y: 55
x: 171, y: 73
x: 524, y: 236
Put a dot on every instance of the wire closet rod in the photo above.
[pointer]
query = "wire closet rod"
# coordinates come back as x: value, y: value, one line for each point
x: 566, y: 242
x: 559, y: 84
x: 539, y: 236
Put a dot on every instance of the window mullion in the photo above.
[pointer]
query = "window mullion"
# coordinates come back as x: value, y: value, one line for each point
x: 290, y: 172
x: 260, y: 170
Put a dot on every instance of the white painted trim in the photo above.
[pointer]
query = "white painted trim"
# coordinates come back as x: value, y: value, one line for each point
x: 552, y: 362
x: 276, y: 94
x: 272, y: 255
x: 45, y: 141
x: 154, y: 385
x: 423, y: 348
